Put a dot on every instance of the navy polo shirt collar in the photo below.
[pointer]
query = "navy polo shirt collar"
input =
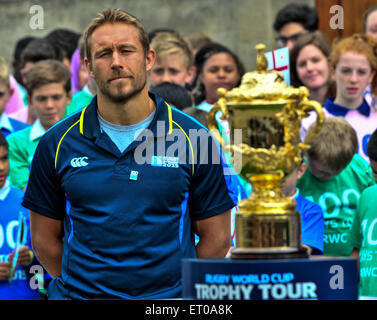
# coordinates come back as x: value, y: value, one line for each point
x: 338, y: 110
x: 160, y: 126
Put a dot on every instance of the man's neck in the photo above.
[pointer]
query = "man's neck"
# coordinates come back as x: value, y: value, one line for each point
x: 133, y: 111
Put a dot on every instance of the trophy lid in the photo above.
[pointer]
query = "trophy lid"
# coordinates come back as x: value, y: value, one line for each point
x: 262, y: 86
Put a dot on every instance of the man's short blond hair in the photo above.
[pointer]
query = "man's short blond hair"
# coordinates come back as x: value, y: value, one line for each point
x: 115, y: 16
x: 335, y: 145
x: 168, y: 43
x: 4, y: 73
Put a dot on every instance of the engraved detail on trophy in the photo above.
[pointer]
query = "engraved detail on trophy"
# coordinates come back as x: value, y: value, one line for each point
x: 269, y: 113
x: 265, y: 132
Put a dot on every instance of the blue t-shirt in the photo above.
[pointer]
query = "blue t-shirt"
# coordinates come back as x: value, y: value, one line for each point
x: 10, y: 206
x: 131, y: 216
x: 312, y: 223
x: 123, y: 136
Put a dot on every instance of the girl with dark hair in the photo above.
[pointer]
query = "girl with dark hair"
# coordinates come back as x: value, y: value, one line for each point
x: 216, y: 67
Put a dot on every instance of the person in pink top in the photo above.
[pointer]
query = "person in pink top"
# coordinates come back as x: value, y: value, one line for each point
x: 16, y: 101
x: 353, y: 63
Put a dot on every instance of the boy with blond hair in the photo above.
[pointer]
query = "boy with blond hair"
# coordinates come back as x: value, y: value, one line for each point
x: 335, y: 178
x: 174, y: 60
x: 7, y: 124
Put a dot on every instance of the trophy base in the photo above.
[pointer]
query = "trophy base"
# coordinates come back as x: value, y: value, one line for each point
x: 255, y: 254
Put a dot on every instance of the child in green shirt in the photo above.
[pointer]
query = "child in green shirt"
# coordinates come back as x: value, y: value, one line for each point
x: 363, y: 234
x: 48, y: 84
x: 335, y: 178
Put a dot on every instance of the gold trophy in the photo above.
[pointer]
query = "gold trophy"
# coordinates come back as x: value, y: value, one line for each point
x: 268, y: 114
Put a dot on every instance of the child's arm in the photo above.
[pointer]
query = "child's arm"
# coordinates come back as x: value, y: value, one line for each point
x: 5, y: 270
x: 25, y: 256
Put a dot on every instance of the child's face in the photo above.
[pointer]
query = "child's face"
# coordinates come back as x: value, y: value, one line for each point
x: 4, y: 97
x: 49, y: 102
x: 321, y: 171
x: 352, y: 75
x: 4, y: 165
x: 219, y: 71
x: 171, y: 69
x: 312, y: 67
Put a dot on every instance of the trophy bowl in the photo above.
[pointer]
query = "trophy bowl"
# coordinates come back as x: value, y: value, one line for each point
x: 264, y: 116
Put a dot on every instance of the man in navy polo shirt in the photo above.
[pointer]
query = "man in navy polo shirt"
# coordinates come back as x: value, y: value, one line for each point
x: 134, y: 204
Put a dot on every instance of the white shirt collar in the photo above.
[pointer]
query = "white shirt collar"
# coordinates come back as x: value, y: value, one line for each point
x: 37, y: 130
x: 87, y: 91
x: 4, y: 190
x: 5, y: 123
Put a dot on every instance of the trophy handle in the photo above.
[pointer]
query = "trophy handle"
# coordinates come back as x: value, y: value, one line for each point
x: 212, y: 123
x: 311, y: 105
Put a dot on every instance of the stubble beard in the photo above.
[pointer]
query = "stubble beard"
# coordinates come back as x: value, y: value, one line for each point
x: 116, y: 94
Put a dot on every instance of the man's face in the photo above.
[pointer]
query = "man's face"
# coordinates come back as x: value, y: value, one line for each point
x: 171, y: 69
x: 289, y: 34
x: 49, y: 103
x: 4, y: 97
x: 118, y: 62
x: 4, y: 165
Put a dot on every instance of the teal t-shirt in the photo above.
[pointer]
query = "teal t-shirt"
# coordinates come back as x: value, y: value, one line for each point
x: 363, y: 236
x: 79, y: 101
x: 338, y: 198
x: 21, y: 152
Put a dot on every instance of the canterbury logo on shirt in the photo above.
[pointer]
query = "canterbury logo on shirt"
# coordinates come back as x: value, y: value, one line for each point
x: 79, y: 162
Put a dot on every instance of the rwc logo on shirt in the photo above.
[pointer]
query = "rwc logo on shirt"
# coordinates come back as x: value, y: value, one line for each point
x: 163, y: 161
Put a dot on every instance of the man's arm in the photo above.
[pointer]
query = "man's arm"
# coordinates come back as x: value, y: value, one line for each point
x: 214, y: 236
x: 47, y: 242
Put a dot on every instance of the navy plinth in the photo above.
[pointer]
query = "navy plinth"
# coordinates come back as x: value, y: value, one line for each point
x: 314, y: 278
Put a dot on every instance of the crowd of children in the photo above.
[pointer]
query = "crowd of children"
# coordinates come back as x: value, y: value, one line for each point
x: 334, y: 186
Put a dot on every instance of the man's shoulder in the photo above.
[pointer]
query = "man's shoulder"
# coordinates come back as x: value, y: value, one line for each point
x: 62, y: 127
x: 186, y: 121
